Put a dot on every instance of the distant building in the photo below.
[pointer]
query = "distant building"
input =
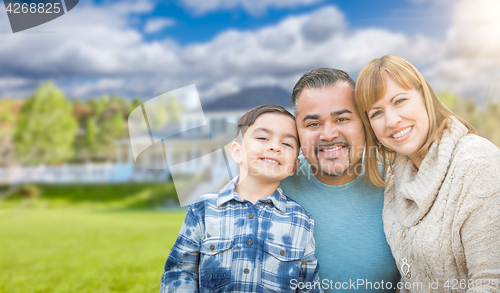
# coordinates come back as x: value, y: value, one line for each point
x: 222, y: 116
x: 190, y: 152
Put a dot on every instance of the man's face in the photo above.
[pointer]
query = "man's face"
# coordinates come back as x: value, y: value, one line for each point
x: 331, y: 133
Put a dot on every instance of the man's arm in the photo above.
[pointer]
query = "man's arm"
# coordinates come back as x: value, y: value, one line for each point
x: 181, y: 267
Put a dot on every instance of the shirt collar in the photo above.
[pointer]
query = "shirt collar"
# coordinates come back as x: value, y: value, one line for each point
x: 279, y: 199
x: 228, y: 193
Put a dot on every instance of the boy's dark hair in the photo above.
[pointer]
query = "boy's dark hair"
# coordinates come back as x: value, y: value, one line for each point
x: 249, y: 118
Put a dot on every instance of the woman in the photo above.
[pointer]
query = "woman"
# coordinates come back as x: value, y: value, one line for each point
x: 442, y: 197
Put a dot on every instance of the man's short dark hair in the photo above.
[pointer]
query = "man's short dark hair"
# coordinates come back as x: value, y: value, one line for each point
x: 249, y: 118
x: 319, y: 78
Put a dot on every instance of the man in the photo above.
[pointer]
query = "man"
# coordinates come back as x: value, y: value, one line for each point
x: 351, y: 247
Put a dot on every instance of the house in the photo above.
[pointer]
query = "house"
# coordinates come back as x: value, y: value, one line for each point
x: 181, y: 138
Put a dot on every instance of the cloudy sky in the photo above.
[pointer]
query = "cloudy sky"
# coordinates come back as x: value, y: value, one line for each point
x: 146, y: 47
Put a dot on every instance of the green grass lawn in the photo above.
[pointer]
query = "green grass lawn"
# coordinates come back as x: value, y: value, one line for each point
x: 84, y: 250
x: 113, y: 196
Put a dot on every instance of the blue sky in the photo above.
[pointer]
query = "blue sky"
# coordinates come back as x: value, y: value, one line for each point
x: 191, y: 27
x: 144, y: 47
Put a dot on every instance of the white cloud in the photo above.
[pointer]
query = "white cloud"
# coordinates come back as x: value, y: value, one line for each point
x: 254, y: 7
x: 323, y: 24
x: 158, y: 24
x: 103, y: 85
x: 476, y: 30
x: 107, y: 55
x: 12, y: 87
x: 287, y: 49
x: 471, y: 63
x: 94, y: 50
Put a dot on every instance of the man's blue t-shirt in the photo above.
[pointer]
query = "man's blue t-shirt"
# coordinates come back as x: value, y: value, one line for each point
x: 351, y: 247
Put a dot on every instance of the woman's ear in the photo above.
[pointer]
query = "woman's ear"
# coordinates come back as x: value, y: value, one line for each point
x: 236, y: 152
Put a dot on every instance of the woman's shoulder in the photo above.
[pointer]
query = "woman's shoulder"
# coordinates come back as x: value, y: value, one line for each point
x: 474, y: 147
x: 476, y: 161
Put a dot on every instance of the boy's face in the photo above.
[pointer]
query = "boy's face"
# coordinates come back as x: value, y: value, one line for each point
x: 269, y: 148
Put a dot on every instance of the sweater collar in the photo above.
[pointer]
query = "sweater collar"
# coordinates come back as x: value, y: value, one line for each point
x: 416, y: 189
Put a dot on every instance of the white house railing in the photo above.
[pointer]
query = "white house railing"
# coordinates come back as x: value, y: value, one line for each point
x: 85, y: 173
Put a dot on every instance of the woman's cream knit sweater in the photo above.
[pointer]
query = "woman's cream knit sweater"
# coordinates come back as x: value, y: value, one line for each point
x: 444, y: 218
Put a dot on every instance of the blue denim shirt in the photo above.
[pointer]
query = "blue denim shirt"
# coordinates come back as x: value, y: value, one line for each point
x: 227, y: 244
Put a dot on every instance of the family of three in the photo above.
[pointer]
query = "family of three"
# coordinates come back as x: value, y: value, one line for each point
x: 392, y: 192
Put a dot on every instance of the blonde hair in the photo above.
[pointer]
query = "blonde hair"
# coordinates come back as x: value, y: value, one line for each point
x: 371, y: 87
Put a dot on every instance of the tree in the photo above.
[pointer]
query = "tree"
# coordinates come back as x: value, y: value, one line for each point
x: 9, y: 110
x: 490, y: 122
x: 486, y: 121
x: 103, y: 125
x: 174, y: 109
x: 136, y: 102
x: 465, y: 108
x: 45, y: 128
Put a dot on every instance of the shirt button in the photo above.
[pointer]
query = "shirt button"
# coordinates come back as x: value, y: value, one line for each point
x: 249, y: 242
x: 282, y: 253
x: 246, y: 271
x: 212, y: 247
x: 250, y: 216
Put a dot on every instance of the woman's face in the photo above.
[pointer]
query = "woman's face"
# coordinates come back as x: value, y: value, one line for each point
x: 400, y: 120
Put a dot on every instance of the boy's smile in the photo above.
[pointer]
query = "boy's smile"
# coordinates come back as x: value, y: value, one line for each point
x: 271, y: 161
x: 269, y: 148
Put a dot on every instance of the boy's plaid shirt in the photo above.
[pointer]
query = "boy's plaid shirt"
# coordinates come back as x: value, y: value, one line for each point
x: 227, y: 244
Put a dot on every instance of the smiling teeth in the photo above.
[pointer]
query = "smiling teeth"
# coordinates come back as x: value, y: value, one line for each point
x: 402, y: 132
x: 332, y: 150
x: 272, y: 161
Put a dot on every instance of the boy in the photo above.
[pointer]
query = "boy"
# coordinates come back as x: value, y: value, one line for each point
x: 249, y: 237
